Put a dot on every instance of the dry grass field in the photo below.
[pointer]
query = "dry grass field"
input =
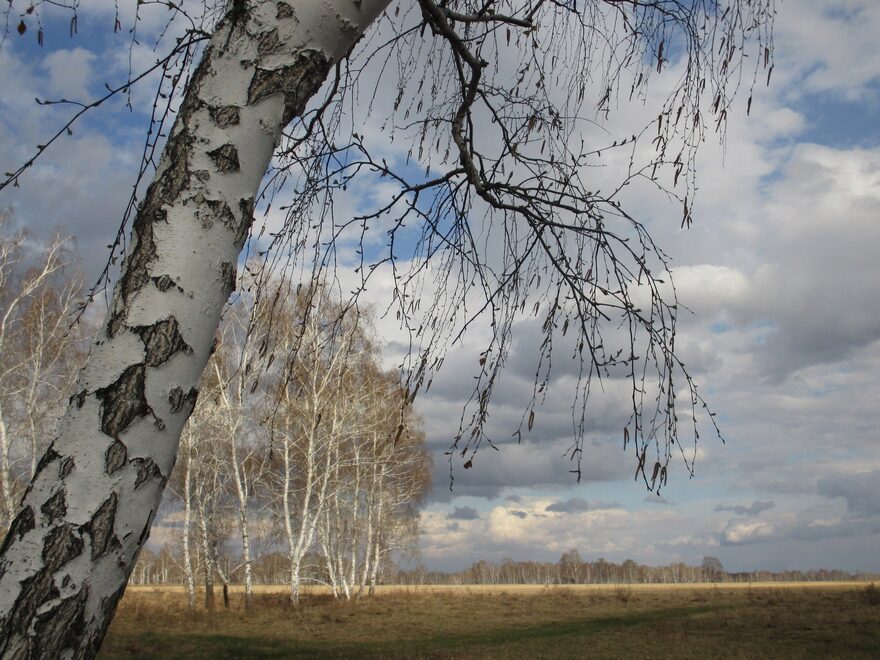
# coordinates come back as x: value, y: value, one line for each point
x: 831, y: 620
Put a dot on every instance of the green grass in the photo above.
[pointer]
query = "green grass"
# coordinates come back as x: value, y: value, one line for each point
x: 552, y: 623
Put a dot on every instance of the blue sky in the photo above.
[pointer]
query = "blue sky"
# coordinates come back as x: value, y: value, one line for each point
x: 780, y: 270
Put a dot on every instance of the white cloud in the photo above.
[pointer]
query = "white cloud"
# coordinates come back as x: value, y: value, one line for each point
x: 70, y: 74
x: 738, y: 532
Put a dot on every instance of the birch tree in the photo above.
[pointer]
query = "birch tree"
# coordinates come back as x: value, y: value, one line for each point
x: 313, y: 417
x: 229, y: 399
x: 505, y: 83
x: 381, y: 473
x: 66, y: 559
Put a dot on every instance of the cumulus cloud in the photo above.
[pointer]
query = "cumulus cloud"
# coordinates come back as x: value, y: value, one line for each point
x: 742, y: 532
x: 70, y: 73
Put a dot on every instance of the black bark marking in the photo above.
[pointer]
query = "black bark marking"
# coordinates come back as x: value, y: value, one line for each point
x: 225, y: 158
x: 146, y: 469
x: 164, y: 282
x: 202, y: 175
x: 145, y: 532
x: 162, y: 341
x: 224, y: 115
x: 62, y: 544
x: 268, y: 42
x: 298, y: 82
x: 178, y: 400
x: 217, y: 210
x: 47, y: 458
x: 66, y: 467
x: 56, y: 506
x: 283, y: 10
x: 101, y: 527
x: 227, y: 275
x: 178, y: 151
x: 115, y: 456
x: 58, y: 629
x: 246, y: 209
x: 124, y: 401
x: 135, y: 272
x: 21, y: 525
x: 79, y: 398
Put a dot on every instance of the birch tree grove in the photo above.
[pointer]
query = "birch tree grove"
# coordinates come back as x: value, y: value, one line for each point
x: 497, y: 102
x: 320, y: 437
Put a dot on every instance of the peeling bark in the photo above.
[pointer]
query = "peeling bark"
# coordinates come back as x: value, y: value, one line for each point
x: 101, y: 527
x: 71, y: 547
x: 162, y: 341
x: 123, y: 401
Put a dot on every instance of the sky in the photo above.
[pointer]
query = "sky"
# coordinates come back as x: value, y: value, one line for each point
x: 780, y: 272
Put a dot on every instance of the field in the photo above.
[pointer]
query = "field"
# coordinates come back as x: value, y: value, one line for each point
x: 635, y: 621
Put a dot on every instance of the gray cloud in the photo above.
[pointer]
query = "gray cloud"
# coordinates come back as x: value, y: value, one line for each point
x: 528, y: 465
x: 819, y: 530
x: 752, y: 510
x: 519, y: 514
x: 578, y: 505
x: 861, y: 491
x: 464, y: 513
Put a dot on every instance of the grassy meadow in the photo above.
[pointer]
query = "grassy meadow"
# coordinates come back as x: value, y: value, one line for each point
x: 780, y: 620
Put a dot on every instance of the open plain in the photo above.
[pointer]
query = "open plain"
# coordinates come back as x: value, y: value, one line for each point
x: 767, y: 620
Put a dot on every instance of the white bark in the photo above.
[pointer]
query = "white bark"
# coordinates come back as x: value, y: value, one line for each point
x: 187, y: 521
x: 67, y: 558
x: 233, y: 405
x: 208, y: 554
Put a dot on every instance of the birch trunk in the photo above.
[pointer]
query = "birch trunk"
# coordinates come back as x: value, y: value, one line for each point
x: 8, y: 503
x: 288, y: 526
x: 244, y: 529
x: 187, y: 520
x: 375, y: 548
x: 65, y: 562
x: 234, y: 410
x: 208, y: 554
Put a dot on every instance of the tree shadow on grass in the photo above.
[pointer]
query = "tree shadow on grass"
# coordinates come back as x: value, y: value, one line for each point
x: 556, y: 636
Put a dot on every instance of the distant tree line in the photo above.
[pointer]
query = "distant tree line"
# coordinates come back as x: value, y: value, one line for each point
x: 164, y: 567
x: 571, y: 569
